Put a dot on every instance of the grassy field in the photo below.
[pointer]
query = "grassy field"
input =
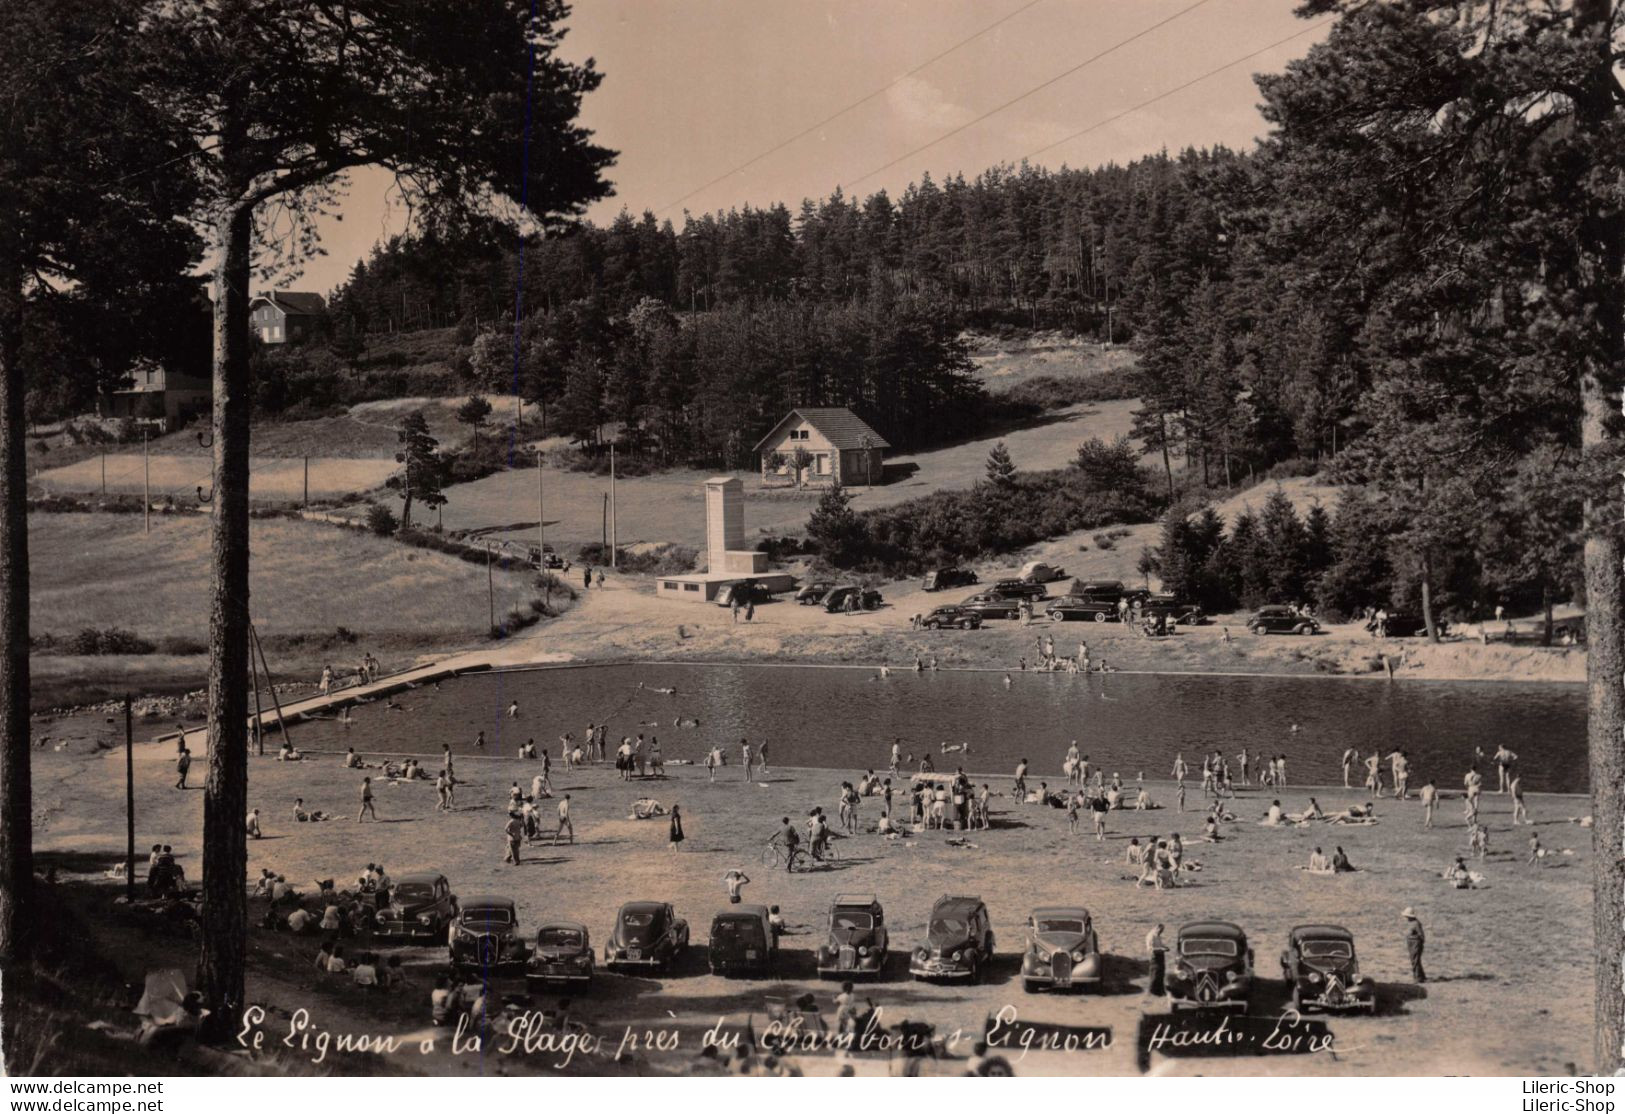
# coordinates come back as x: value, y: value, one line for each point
x: 1510, y: 964
x: 670, y: 507
x: 307, y: 581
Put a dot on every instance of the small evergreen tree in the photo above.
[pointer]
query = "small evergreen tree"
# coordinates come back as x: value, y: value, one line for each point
x: 423, y: 472
x: 835, y: 530
x: 1001, y: 470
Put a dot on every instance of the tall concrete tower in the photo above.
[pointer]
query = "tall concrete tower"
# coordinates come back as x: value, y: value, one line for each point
x: 724, y: 521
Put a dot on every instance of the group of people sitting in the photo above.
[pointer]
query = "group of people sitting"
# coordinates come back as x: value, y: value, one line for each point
x: 364, y: 968
x: 1337, y: 864
x: 165, y: 877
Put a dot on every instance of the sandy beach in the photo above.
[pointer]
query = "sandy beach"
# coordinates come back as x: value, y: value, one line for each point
x: 1512, y: 957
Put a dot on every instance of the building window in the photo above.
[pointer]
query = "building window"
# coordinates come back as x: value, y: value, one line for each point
x: 691, y: 587
x: 669, y: 585
x: 821, y: 464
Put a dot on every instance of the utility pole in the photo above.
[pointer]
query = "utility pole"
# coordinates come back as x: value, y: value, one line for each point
x: 603, y: 526
x: 490, y: 591
x: 146, y: 485
x: 129, y: 799
x: 307, y: 481
x: 541, y: 514
x: 104, y: 473
x: 613, y: 524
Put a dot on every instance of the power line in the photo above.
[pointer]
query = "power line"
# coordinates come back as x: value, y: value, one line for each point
x: 1178, y: 88
x: 842, y: 112
x: 1091, y: 60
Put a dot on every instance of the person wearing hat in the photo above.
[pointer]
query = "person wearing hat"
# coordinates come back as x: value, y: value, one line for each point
x: 1415, y: 938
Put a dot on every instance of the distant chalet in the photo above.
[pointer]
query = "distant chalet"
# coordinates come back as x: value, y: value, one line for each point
x: 840, y: 446
x: 285, y: 315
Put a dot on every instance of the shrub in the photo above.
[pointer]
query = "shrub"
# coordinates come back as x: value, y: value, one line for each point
x: 112, y: 640
x: 1103, y: 541
x: 382, y: 521
x: 181, y: 646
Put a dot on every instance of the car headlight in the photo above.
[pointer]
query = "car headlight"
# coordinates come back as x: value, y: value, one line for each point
x: 1077, y: 956
x: 863, y: 950
x: 1314, y: 977
x: 425, y: 918
x: 921, y: 953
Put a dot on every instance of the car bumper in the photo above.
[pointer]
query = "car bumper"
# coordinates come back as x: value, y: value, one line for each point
x: 558, y: 972
x: 871, y: 964
x: 938, y: 969
x: 425, y: 932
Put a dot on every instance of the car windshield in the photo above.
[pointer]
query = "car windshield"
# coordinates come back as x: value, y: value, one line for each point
x: 1060, y: 924
x: 637, y: 920
x: 560, y: 938
x: 489, y: 915
x: 1326, y: 949
x: 414, y: 891
x: 949, y: 926
x: 852, y: 922
x: 1207, y: 945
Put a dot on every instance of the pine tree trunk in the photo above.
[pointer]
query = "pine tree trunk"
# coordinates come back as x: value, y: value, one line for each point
x: 16, y: 788
x: 1546, y: 607
x: 225, y: 799
x: 1427, y: 599
x: 1602, y: 243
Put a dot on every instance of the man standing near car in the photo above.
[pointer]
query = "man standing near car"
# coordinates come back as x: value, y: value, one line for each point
x: 1415, y: 940
x: 1159, y: 962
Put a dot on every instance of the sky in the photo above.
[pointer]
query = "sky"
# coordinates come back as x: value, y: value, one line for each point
x: 695, y: 88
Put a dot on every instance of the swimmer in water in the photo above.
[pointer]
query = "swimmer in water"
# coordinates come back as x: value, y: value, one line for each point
x: 1007, y: 681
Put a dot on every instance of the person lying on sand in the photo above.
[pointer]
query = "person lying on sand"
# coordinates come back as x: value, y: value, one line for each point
x: 1313, y: 812
x: 1355, y: 814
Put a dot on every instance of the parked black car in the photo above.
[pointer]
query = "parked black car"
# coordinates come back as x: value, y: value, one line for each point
x: 743, y: 942
x: 1211, y: 968
x: 1019, y: 590
x: 949, y: 577
x: 646, y: 934
x: 951, y: 615
x: 863, y: 599
x: 1176, y: 609
x: 813, y: 593
x: 745, y: 591
x: 958, y: 943
x: 857, y: 942
x: 1322, y: 971
x: 421, y: 907
x: 1075, y: 608
x: 1405, y: 625
x: 485, y: 934
x: 1279, y: 619
x: 989, y: 605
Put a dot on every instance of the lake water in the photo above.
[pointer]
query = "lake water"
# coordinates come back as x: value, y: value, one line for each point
x: 845, y: 719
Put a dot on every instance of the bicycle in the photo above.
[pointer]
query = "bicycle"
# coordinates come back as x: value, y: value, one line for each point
x: 775, y: 855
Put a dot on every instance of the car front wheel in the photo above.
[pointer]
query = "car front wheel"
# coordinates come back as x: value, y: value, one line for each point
x: 932, y: 624
x: 1300, y: 629
x: 1100, y: 616
x: 1056, y: 617
x: 967, y: 624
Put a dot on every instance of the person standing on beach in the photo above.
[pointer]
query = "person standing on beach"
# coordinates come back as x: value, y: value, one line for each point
x: 1520, y: 811
x: 674, y: 840
x: 564, y: 822
x: 183, y: 764
x: 735, y: 880
x: 1350, y: 756
x: 586, y: 577
x: 896, y: 756
x: 1373, y: 774
x: 514, y: 829
x: 1158, y: 951
x: 1180, y: 769
x: 745, y: 756
x: 711, y: 758
x: 1474, y: 783
x: 1504, y: 761
x: 1020, y: 787
x: 1399, y: 766
x: 1242, y: 761
x: 1180, y: 796
x: 1430, y: 801
x: 761, y: 759
x: 366, y: 801
x: 1074, y: 773
x: 1415, y: 941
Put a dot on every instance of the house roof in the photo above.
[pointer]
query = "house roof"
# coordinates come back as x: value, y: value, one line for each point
x: 296, y: 303
x: 840, y: 427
